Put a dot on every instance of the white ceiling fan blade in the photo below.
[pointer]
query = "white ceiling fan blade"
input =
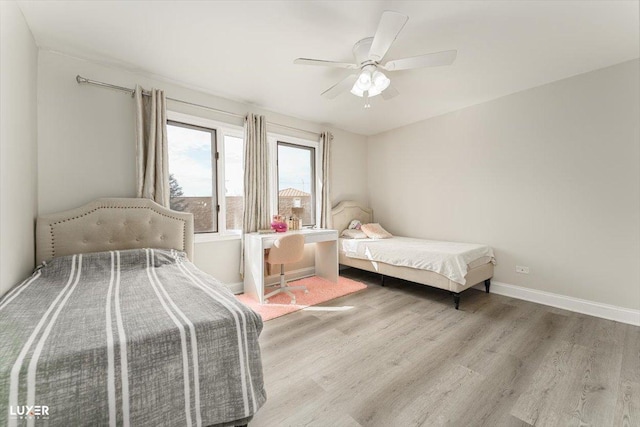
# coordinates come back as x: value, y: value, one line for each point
x: 344, y: 85
x: 429, y: 60
x: 390, y: 92
x: 391, y: 23
x: 308, y: 61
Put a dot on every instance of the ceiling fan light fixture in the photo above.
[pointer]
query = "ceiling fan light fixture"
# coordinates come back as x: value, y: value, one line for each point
x: 357, y: 91
x: 365, y: 80
x: 374, y: 83
x: 374, y: 91
x: 380, y: 81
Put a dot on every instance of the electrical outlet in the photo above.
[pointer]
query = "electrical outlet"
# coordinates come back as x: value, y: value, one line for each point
x: 522, y: 269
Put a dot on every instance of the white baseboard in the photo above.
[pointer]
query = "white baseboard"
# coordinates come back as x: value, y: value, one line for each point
x: 605, y: 311
x: 238, y: 288
x: 597, y: 309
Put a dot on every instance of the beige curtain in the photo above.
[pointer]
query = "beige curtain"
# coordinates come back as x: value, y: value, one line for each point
x: 256, y: 174
x: 325, y: 201
x: 152, y: 162
x: 256, y: 178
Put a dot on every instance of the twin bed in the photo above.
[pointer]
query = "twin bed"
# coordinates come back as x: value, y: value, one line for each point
x: 454, y: 267
x: 109, y: 332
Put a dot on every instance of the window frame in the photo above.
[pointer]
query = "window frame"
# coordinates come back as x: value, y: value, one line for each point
x: 214, y: 169
x: 222, y: 129
x: 273, y: 140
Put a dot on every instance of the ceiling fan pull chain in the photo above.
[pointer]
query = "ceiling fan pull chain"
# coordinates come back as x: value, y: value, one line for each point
x: 366, y: 99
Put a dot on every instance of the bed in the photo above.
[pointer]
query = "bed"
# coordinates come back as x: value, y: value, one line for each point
x: 454, y: 267
x: 116, y: 326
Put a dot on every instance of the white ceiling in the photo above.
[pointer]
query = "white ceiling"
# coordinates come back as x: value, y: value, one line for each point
x: 243, y: 50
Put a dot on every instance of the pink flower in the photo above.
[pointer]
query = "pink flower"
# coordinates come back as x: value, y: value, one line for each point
x: 279, y: 227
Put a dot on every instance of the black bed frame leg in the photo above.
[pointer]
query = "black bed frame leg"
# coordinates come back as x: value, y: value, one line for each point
x: 382, y: 280
x: 456, y: 299
x: 487, y: 285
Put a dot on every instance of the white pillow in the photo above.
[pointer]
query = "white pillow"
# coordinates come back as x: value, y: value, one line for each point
x: 375, y: 231
x: 353, y: 234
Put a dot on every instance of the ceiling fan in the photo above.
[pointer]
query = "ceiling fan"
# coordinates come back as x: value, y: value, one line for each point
x: 370, y: 80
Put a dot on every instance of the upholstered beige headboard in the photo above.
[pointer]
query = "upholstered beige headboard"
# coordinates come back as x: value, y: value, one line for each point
x: 113, y: 224
x: 348, y: 210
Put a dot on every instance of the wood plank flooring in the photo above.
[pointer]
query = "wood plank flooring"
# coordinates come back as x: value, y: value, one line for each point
x: 400, y: 355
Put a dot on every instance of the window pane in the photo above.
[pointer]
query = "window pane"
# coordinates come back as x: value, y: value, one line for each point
x: 233, y: 181
x: 296, y: 185
x: 192, y: 174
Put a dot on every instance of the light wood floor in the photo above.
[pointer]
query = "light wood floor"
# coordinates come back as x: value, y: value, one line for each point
x: 400, y: 355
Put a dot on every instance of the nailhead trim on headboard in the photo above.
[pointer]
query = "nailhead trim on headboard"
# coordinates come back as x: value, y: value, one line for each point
x: 53, y: 250
x: 48, y: 234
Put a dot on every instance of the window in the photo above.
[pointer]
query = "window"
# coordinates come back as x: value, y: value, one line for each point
x: 296, y: 176
x: 206, y: 168
x: 206, y: 171
x: 233, y: 181
x: 192, y: 173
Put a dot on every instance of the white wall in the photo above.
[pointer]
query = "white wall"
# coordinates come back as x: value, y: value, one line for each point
x: 18, y: 196
x: 550, y: 177
x: 86, y: 144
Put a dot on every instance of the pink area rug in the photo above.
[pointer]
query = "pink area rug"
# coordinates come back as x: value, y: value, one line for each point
x: 320, y: 290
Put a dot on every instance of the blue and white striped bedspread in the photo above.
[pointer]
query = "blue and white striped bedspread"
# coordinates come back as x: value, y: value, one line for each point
x: 133, y: 338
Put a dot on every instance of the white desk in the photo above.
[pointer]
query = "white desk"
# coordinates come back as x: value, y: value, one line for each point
x: 255, y: 244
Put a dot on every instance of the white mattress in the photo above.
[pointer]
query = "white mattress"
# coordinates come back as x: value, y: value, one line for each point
x: 450, y: 259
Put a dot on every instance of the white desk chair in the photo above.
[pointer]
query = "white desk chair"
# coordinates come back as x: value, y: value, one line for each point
x: 286, y: 250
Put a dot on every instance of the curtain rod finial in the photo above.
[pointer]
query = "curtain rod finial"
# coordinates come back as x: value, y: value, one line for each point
x: 80, y: 79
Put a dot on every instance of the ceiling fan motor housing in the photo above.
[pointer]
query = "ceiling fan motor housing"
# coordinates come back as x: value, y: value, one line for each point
x: 361, y: 51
